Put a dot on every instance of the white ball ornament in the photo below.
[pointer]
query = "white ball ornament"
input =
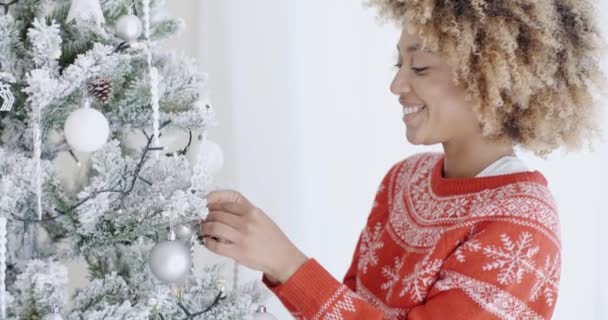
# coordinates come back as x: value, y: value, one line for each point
x: 208, y: 154
x: 129, y: 27
x: 184, y: 232
x: 170, y: 260
x: 86, y: 10
x: 261, y: 314
x: 86, y: 129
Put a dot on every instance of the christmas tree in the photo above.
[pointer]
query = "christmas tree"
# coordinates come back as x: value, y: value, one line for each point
x: 79, y: 81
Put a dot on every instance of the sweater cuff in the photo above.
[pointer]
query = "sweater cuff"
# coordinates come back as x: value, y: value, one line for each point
x: 308, y: 288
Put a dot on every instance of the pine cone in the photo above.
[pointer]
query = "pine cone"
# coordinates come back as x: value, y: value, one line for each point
x: 101, y: 88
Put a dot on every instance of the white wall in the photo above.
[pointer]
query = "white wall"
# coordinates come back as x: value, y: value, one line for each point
x: 601, y: 287
x: 306, y: 104
x: 309, y: 128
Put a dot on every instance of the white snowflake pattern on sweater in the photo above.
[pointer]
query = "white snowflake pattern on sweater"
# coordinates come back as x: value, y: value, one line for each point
x: 547, y: 281
x: 370, y: 243
x: 392, y: 274
x: 418, y: 282
x: 512, y: 259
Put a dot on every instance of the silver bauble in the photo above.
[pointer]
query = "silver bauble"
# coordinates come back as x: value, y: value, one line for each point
x: 184, y: 232
x: 129, y: 27
x: 170, y: 261
x: 261, y: 314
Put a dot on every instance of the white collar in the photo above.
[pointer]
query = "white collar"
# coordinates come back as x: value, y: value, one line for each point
x: 505, y: 165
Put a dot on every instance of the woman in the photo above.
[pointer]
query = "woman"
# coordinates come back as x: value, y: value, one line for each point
x: 469, y: 233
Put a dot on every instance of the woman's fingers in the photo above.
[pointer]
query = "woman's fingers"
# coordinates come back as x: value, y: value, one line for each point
x: 221, y: 238
x: 226, y: 218
x: 221, y: 231
x: 221, y: 248
x: 226, y: 196
x: 238, y: 208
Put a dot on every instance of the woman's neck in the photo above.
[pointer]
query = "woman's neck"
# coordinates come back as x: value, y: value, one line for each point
x: 468, y: 157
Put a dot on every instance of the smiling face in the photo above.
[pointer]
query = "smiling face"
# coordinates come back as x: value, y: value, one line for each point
x: 434, y: 106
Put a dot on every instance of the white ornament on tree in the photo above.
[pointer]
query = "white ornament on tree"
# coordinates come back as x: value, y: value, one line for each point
x: 184, y: 232
x: 86, y: 10
x: 129, y: 28
x: 261, y: 314
x: 154, y: 78
x: 170, y: 260
x: 207, y: 154
x: 37, y: 154
x: 86, y: 129
x: 8, y: 99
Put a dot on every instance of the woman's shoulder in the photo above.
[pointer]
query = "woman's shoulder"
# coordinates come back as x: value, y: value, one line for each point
x: 523, y: 203
x: 520, y: 197
x: 419, y: 162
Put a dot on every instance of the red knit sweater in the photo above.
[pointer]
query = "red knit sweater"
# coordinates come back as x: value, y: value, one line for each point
x: 438, y: 248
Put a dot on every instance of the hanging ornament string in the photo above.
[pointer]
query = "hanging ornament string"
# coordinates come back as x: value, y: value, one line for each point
x: 37, y: 135
x: 192, y: 243
x: 154, y: 97
x: 3, y: 249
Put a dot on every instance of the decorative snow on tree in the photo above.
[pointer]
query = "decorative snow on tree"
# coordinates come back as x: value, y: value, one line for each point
x: 79, y: 78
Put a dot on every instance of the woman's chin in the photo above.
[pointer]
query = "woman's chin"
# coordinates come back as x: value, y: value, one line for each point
x: 413, y: 137
x: 416, y: 138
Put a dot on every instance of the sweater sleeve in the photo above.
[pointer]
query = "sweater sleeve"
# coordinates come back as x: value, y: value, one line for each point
x: 378, y: 213
x: 313, y: 293
x: 502, y: 271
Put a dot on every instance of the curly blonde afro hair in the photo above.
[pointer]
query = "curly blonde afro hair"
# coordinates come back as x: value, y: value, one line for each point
x: 532, y: 65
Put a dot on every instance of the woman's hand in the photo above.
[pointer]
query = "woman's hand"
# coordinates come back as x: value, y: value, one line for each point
x: 236, y: 229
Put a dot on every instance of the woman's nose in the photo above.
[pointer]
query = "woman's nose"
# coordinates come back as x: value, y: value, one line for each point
x: 400, y: 84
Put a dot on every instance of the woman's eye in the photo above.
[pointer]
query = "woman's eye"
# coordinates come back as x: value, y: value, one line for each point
x: 420, y: 71
x: 398, y: 65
